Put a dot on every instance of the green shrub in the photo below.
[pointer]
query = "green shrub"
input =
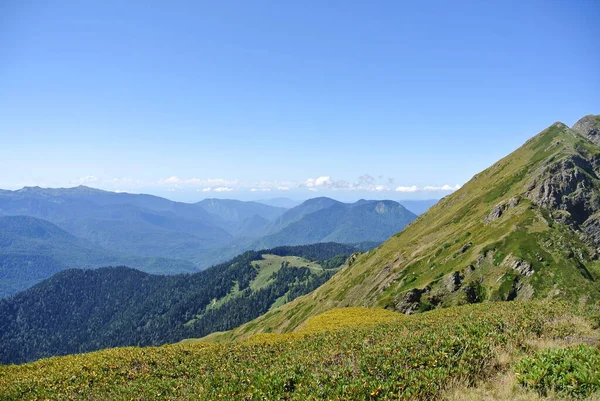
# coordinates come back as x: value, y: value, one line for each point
x: 572, y: 372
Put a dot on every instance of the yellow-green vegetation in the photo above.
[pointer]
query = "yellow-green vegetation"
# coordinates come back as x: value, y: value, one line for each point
x: 328, y: 321
x: 459, y: 252
x: 412, y: 357
x: 272, y: 263
x: 572, y: 372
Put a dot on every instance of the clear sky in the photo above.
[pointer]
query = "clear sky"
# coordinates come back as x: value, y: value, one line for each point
x: 258, y: 99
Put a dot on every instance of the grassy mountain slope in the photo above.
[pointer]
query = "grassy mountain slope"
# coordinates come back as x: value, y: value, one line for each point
x: 83, y: 310
x: 33, y: 249
x: 371, y: 355
x: 524, y: 228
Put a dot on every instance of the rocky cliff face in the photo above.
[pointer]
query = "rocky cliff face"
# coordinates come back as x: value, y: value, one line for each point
x: 570, y: 184
x: 589, y: 127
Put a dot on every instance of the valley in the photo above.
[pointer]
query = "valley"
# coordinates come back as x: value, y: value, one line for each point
x: 160, y: 236
x: 490, y: 283
x: 299, y: 201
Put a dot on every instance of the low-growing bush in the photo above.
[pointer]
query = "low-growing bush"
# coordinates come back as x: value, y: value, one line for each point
x: 415, y: 357
x: 572, y: 372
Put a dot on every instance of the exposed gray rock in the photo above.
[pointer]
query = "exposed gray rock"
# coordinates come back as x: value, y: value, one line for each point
x: 495, y: 214
x: 589, y: 127
x: 452, y: 282
x: 566, y: 184
x: 465, y: 247
x: 467, y: 271
x: 563, y: 217
x: 500, y: 208
x: 513, y: 202
x: 523, y: 291
x: 352, y: 258
x: 522, y: 266
x: 591, y: 230
x: 409, y: 301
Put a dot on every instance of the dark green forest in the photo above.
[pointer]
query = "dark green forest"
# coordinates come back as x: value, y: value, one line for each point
x: 83, y: 310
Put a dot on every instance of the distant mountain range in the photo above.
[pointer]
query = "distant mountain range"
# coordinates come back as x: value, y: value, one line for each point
x: 33, y: 249
x: 327, y: 220
x: 280, y: 202
x: 88, y: 228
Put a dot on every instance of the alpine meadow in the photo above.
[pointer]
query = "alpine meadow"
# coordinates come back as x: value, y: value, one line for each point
x: 302, y: 201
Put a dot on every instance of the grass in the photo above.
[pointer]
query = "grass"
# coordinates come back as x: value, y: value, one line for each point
x: 433, y: 246
x: 571, y: 372
x: 369, y: 355
x: 272, y: 263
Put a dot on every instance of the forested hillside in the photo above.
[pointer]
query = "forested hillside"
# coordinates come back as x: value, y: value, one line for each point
x: 84, y: 310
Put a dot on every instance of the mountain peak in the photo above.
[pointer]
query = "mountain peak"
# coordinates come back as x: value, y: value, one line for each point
x: 589, y: 127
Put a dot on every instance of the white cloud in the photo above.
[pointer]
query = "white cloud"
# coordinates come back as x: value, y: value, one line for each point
x: 412, y: 188
x: 175, y: 181
x: 363, y: 183
x: 325, y: 182
x: 445, y: 187
x: 366, y: 179
x: 172, y: 180
x: 88, y: 179
x: 193, y: 181
x: 123, y: 180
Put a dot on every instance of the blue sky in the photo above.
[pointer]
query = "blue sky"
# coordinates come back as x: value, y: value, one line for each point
x: 258, y: 99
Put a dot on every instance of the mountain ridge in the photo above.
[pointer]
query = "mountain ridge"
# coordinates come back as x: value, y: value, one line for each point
x: 524, y: 228
x: 33, y: 249
x: 203, y: 234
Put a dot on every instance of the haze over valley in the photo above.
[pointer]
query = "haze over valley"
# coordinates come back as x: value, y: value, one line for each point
x: 268, y: 200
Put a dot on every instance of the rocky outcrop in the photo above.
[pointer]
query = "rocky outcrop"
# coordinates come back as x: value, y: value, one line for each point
x: 409, y: 302
x: 500, y: 208
x: 567, y: 184
x: 591, y: 230
x: 465, y: 247
x: 522, y: 267
x: 452, y: 282
x: 589, y: 127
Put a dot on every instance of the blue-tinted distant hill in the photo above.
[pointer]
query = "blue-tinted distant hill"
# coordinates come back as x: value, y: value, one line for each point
x: 235, y: 210
x: 280, y: 202
x: 32, y: 249
x: 327, y: 220
x: 202, y: 233
x: 141, y: 225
